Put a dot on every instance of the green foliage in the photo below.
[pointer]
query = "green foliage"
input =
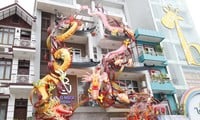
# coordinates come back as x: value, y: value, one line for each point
x: 161, y: 78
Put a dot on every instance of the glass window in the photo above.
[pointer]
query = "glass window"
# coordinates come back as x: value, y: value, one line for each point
x: 25, y: 35
x: 5, y: 69
x: 76, y: 54
x: 140, y: 49
x: 6, y: 35
x: 149, y: 49
x: 83, y: 92
x: 129, y: 85
x: 45, y: 23
x: 11, y: 39
x: 23, y: 67
x: 3, y: 108
x: 105, y: 51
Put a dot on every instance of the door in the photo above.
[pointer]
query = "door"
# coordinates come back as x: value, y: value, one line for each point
x: 20, y: 109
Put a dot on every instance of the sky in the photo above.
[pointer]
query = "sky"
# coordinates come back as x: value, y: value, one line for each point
x: 194, y: 8
x: 26, y: 4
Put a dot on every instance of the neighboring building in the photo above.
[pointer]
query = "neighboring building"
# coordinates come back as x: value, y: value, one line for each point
x: 23, y: 46
x: 150, y: 53
x: 17, y: 58
x: 181, y: 44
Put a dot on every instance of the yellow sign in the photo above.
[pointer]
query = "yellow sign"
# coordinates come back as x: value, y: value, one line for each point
x: 171, y: 20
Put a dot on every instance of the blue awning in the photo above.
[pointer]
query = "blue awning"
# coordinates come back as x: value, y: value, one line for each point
x: 146, y: 35
x: 165, y: 87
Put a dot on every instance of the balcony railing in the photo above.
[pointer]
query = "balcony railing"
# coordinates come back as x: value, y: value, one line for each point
x: 23, y: 78
x: 151, y: 53
x: 156, y: 58
x: 80, y: 59
x: 24, y: 43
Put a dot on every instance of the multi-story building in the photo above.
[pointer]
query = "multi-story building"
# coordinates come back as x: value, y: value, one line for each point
x: 17, y: 57
x: 180, y: 46
x: 23, y: 62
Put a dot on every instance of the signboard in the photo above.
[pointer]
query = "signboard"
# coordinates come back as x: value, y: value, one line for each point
x: 191, y: 103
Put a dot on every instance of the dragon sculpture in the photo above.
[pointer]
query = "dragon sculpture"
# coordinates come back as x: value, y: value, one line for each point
x: 104, y: 88
x: 48, y: 105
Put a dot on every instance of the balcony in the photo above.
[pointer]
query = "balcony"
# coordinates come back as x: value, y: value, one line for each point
x: 162, y: 78
x: 84, y: 62
x: 24, y: 43
x: 118, y: 37
x: 148, y: 36
x: 24, y: 48
x: 155, y: 58
x: 23, y: 79
x: 21, y: 85
x: 66, y: 7
x: 165, y: 87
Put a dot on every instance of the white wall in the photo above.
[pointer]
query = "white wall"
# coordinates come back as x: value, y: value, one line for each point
x: 140, y: 14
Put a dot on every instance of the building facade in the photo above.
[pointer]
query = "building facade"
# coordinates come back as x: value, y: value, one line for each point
x: 24, y: 53
x: 181, y: 44
x: 17, y: 61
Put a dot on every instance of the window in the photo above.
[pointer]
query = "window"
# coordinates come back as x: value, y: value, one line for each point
x: 23, y: 67
x: 129, y: 85
x: 25, y: 35
x: 46, y: 20
x: 95, y: 53
x: 3, y: 108
x: 83, y: 93
x: 140, y: 49
x: 76, y: 54
x: 149, y: 50
x: 105, y: 51
x: 5, y: 69
x: 6, y: 36
x: 155, y: 74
